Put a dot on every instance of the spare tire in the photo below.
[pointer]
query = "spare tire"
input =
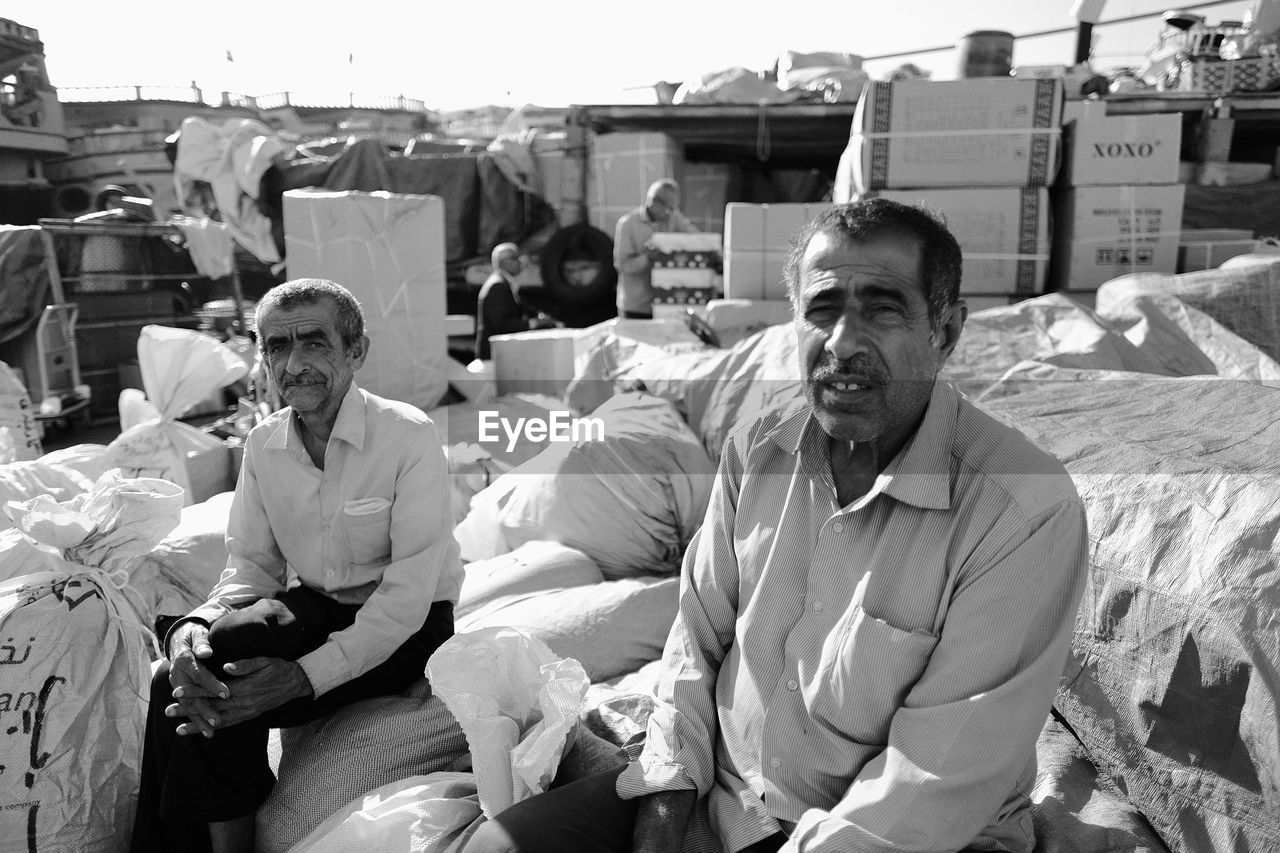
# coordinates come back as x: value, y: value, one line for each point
x: 577, y: 266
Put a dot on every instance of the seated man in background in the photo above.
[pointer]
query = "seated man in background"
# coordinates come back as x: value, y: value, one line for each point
x: 341, y: 576
x: 499, y: 310
x: 876, y: 611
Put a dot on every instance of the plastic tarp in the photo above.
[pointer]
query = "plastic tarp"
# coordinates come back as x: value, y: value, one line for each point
x: 1174, y: 679
x: 24, y: 279
x: 482, y: 208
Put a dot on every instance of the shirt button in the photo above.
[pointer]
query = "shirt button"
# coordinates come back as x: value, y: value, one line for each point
x: 775, y: 762
x: 329, y: 573
x: 817, y: 607
x: 793, y: 684
x: 837, y: 527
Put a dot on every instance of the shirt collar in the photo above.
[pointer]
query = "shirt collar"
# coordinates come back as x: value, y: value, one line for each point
x: 348, y: 426
x: 920, y: 474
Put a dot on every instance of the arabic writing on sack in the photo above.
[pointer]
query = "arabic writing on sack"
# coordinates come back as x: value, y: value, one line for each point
x: 23, y: 711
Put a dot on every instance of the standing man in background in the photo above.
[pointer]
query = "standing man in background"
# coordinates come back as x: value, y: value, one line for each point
x: 499, y: 310
x: 659, y: 213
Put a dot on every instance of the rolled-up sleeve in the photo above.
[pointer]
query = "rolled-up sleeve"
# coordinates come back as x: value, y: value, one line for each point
x: 423, y: 550
x: 679, y: 749
x: 960, y: 743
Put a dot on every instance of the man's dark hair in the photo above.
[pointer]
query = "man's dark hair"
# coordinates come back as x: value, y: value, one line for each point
x: 859, y: 220
x: 309, y: 291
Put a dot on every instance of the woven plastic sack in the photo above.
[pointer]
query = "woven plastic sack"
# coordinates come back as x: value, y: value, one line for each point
x: 75, y: 665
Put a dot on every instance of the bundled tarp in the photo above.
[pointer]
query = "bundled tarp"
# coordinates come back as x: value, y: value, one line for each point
x: 1173, y: 684
x: 482, y: 207
x: 630, y: 497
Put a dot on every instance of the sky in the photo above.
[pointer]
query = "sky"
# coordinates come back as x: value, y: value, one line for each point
x: 550, y: 52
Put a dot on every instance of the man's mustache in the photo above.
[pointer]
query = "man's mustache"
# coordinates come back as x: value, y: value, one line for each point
x: 829, y: 367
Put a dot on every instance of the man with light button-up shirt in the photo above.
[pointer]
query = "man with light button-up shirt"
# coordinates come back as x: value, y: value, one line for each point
x: 341, y: 575
x: 877, y: 608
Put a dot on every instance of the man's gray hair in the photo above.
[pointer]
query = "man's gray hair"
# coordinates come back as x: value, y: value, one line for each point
x: 502, y: 249
x: 309, y: 291
x: 660, y: 185
x: 939, y: 252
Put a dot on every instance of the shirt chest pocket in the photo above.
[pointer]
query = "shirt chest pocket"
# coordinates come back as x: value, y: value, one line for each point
x: 868, y: 668
x: 366, y: 532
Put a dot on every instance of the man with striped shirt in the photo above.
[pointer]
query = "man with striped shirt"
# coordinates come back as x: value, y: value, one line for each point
x: 875, y: 613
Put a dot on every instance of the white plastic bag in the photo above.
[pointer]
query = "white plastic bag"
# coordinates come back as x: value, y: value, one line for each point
x: 75, y: 665
x: 179, y: 369
x: 516, y: 702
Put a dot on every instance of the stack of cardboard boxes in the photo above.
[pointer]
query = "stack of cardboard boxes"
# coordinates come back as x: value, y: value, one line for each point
x: 982, y: 153
x: 684, y: 271
x: 757, y: 238
x: 1117, y: 203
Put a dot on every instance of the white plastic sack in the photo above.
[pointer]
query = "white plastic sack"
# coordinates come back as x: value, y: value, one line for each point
x: 75, y: 665
x: 518, y: 705
x: 425, y: 814
x: 631, y: 501
x: 180, y: 368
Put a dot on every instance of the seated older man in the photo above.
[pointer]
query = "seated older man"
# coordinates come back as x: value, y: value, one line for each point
x: 340, y: 580
x: 875, y: 613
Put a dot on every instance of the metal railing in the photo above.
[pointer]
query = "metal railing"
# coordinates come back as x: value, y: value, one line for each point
x: 195, y: 95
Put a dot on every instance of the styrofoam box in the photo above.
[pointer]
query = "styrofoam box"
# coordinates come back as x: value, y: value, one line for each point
x: 623, y: 165
x: 1003, y: 234
x: 1137, y: 149
x: 388, y: 250
x: 757, y: 238
x: 1207, y: 248
x: 734, y: 319
x: 1104, y: 232
x: 539, y: 361
x: 667, y: 278
x: 923, y: 133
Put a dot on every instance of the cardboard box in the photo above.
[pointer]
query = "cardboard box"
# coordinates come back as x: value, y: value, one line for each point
x: 388, y: 250
x: 757, y: 240
x: 209, y: 473
x: 623, y: 165
x: 539, y: 361
x: 1003, y: 234
x: 1113, y: 150
x: 924, y: 133
x: 1206, y: 249
x: 704, y: 192
x: 1101, y: 233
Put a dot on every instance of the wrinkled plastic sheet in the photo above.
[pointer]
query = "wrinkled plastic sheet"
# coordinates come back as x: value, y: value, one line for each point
x: 1173, y: 683
x: 482, y: 208
x: 24, y: 279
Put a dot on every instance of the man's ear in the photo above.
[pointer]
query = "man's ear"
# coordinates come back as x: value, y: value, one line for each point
x: 360, y: 351
x: 949, y: 330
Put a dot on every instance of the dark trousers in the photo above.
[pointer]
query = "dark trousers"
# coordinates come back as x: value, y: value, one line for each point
x: 637, y: 315
x: 190, y: 781
x: 586, y: 816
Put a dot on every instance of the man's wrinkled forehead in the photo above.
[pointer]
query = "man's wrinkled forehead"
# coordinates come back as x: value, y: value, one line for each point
x: 305, y: 323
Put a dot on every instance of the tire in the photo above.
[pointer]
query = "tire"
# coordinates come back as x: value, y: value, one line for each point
x: 577, y: 266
